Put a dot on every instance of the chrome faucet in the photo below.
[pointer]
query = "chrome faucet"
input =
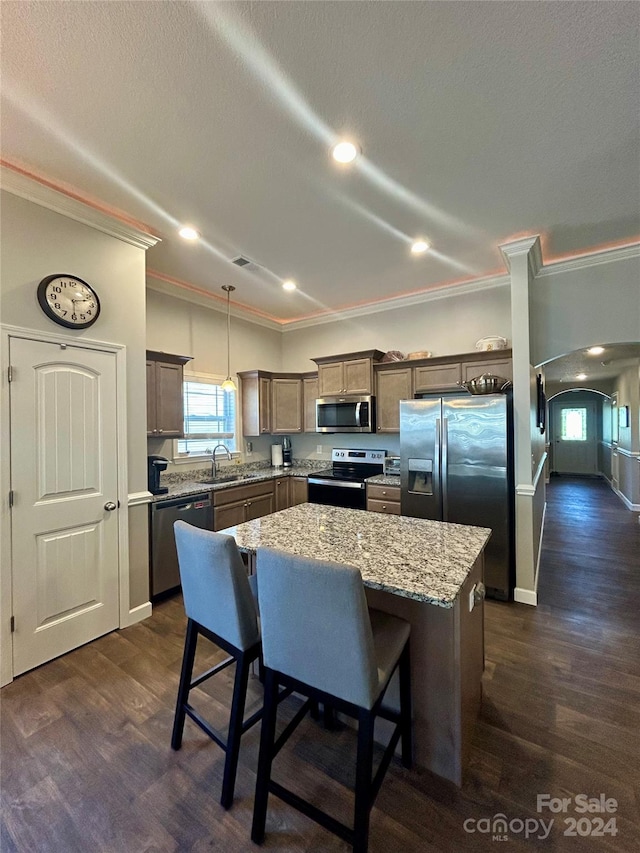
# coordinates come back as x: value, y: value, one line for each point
x: 214, y: 467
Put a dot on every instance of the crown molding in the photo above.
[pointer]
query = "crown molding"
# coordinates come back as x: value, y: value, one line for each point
x: 529, y: 246
x: 395, y: 302
x: 196, y: 296
x: 20, y: 183
x: 603, y: 256
x: 160, y: 283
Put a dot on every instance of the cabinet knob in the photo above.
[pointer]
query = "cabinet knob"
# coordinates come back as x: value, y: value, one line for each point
x: 160, y: 430
x: 384, y: 506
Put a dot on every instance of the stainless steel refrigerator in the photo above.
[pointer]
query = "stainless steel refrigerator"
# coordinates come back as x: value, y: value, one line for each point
x: 456, y: 464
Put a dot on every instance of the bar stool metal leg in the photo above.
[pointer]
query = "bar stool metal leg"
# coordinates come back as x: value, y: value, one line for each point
x: 364, y: 770
x: 190, y: 642
x: 243, y: 665
x: 265, y: 757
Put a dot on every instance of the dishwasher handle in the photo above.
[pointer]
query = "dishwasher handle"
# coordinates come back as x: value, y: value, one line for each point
x: 182, y: 504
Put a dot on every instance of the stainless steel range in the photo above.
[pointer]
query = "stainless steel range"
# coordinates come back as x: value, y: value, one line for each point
x: 344, y: 483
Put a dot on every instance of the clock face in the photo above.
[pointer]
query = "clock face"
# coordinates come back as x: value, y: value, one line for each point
x: 69, y: 301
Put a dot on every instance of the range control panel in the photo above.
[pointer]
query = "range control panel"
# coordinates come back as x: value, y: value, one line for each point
x: 340, y: 454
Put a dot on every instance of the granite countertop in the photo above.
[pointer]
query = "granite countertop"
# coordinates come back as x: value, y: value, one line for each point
x: 384, y: 480
x: 187, y: 487
x: 426, y: 561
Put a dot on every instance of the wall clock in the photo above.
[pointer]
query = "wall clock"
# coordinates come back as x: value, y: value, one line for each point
x: 69, y: 301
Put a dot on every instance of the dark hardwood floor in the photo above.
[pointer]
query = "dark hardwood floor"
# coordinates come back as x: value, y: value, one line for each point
x: 86, y: 762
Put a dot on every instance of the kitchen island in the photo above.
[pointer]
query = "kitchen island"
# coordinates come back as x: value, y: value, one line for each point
x: 423, y: 571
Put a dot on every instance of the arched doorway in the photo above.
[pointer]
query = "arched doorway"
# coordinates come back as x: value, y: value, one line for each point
x: 579, y: 433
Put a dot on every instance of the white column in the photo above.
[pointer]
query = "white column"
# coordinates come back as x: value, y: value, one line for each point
x: 524, y: 260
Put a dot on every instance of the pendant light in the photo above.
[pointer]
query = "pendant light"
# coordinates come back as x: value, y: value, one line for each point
x: 228, y: 384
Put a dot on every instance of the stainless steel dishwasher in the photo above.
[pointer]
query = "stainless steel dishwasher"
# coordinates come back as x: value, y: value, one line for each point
x: 194, y: 509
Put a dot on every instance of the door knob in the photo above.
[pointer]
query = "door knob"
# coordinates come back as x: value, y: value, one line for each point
x: 110, y: 506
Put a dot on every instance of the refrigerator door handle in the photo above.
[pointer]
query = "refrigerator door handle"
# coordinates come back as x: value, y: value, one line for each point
x: 444, y: 473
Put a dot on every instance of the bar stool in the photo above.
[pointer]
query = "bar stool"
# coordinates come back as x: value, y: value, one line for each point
x: 220, y: 606
x: 320, y: 640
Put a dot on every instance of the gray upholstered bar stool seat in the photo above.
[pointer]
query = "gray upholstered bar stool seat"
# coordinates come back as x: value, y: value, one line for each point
x: 220, y: 606
x: 320, y: 639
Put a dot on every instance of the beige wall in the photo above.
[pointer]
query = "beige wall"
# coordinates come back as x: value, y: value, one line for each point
x: 628, y: 448
x: 444, y: 326
x: 597, y: 304
x: 178, y: 326
x: 37, y: 242
x: 628, y: 387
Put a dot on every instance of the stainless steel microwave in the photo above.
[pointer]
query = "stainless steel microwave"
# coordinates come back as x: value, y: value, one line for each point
x: 349, y: 413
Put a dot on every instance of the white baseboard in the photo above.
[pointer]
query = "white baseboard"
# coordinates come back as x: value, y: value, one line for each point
x: 625, y: 500
x: 137, y: 614
x: 525, y: 596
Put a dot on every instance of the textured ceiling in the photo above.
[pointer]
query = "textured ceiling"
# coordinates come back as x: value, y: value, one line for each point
x: 614, y: 360
x: 478, y: 121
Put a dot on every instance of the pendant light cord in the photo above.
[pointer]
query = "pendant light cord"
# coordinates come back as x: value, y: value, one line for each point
x: 228, y: 384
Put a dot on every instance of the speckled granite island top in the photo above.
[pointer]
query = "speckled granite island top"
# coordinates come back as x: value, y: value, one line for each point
x: 423, y: 560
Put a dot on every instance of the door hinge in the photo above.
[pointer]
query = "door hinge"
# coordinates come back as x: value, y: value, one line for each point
x: 13, y: 624
x: 11, y: 496
x: 10, y: 374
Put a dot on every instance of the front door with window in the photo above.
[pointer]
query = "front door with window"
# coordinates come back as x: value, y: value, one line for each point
x: 575, y: 438
x: 64, y: 521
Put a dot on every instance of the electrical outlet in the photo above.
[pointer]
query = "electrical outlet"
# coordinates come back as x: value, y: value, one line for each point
x: 319, y: 448
x: 249, y: 448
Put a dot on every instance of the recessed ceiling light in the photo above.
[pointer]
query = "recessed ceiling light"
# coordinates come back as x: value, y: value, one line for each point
x: 345, y: 152
x: 419, y: 247
x: 188, y: 233
x: 581, y: 376
x: 289, y: 284
x: 595, y: 350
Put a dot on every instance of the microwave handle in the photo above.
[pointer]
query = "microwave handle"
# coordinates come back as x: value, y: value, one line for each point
x: 358, y: 414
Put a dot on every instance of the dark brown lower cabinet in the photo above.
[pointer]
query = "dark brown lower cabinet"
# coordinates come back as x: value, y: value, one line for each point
x: 242, y: 503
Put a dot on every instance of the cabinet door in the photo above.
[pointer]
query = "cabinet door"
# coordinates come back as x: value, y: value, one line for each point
x: 389, y: 508
x: 358, y: 376
x: 286, y: 405
x: 436, y: 376
x: 228, y: 515
x: 309, y: 395
x: 282, y: 490
x: 391, y: 387
x: 499, y: 367
x: 257, y: 507
x: 152, y: 428
x: 169, y: 402
x: 331, y: 378
x: 299, y: 491
x: 264, y: 405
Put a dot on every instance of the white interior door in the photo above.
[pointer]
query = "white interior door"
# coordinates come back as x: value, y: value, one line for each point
x: 64, y: 521
x: 575, y: 449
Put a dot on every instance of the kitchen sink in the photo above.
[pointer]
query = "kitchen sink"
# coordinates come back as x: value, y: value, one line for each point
x: 231, y: 478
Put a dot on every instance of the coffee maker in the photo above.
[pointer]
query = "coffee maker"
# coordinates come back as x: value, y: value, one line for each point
x: 287, y: 452
x: 156, y: 464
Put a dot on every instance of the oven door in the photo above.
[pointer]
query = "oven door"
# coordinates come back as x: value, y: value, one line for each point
x: 345, y: 414
x: 351, y: 494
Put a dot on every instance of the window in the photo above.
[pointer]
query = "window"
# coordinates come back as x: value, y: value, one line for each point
x: 574, y: 424
x: 209, y: 416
